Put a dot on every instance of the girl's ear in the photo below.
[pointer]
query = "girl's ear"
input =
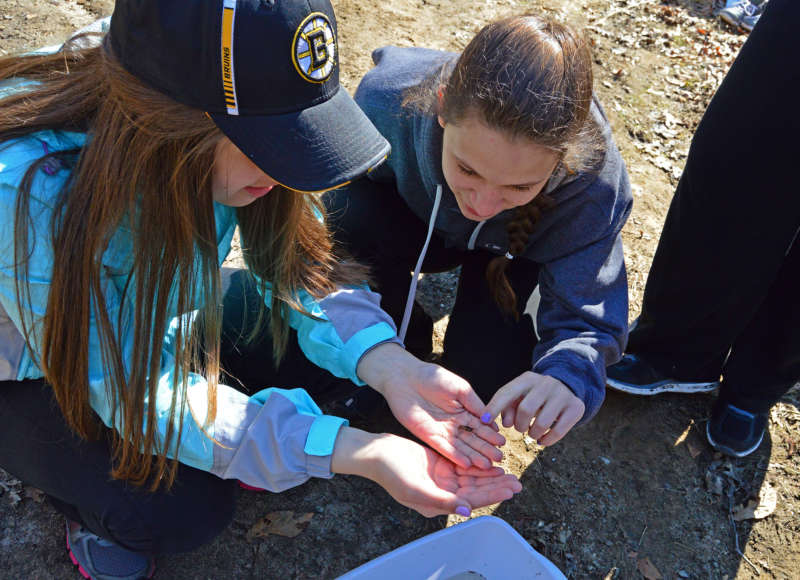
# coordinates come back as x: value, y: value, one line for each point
x: 441, y: 121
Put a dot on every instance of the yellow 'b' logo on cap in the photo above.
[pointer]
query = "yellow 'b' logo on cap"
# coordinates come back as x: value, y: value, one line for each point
x: 314, y: 48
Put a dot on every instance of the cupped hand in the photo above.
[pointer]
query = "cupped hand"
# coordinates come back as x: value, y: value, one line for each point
x: 420, y: 478
x: 434, y: 404
x: 540, y: 405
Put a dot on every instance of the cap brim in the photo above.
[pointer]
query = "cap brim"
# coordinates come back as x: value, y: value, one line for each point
x: 316, y: 149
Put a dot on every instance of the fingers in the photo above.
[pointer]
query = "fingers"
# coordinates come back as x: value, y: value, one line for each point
x: 567, y: 420
x: 442, y: 503
x: 509, y: 415
x: 506, y: 395
x: 536, y: 413
x: 540, y: 405
x: 463, y: 509
x: 479, y: 472
x: 479, y: 496
x: 479, y: 452
x: 456, y: 451
x: 472, y: 428
x: 471, y: 401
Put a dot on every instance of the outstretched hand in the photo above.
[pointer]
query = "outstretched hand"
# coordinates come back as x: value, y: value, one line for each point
x: 419, y: 478
x: 434, y: 404
x: 540, y: 405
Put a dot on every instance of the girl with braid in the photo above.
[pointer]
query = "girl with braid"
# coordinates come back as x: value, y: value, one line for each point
x: 503, y: 164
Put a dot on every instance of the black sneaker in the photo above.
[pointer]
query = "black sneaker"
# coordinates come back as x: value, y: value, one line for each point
x: 634, y: 376
x: 734, y: 431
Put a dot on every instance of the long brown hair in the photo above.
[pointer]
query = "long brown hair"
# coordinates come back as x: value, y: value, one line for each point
x: 146, y: 166
x: 528, y: 77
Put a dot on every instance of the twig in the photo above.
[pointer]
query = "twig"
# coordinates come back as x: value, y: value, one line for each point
x: 639, y: 545
x: 736, y: 534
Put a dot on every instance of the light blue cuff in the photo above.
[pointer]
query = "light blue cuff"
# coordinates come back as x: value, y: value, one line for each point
x: 322, y: 435
x: 362, y: 342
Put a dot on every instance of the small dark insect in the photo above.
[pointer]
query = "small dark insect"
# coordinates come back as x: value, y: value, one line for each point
x: 466, y: 428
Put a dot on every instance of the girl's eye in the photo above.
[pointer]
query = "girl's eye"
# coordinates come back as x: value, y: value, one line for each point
x: 465, y: 170
x: 521, y: 188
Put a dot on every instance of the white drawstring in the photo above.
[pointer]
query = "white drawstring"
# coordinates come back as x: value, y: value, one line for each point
x: 415, y: 278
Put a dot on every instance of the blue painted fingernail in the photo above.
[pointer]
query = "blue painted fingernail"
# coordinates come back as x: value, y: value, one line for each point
x: 463, y: 511
x: 486, y: 417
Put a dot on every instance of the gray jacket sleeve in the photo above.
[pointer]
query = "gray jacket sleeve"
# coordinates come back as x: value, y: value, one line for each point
x: 275, y: 440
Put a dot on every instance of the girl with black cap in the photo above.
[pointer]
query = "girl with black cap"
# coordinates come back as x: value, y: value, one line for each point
x: 503, y: 164
x: 124, y: 170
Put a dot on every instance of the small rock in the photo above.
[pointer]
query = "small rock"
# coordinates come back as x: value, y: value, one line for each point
x: 529, y: 442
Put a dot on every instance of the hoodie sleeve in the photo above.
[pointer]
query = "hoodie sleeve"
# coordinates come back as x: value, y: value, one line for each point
x: 582, y: 318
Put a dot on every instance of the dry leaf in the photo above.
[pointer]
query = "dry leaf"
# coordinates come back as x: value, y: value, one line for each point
x: 758, y: 509
x: 14, y: 497
x: 692, y: 449
x: 281, y: 523
x: 648, y: 570
x: 35, y: 494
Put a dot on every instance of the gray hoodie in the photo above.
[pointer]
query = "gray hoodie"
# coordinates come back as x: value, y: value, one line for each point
x: 583, y: 313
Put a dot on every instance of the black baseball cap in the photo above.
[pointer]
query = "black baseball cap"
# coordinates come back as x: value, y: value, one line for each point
x: 265, y: 71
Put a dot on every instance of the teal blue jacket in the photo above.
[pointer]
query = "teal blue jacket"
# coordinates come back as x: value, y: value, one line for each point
x: 274, y: 439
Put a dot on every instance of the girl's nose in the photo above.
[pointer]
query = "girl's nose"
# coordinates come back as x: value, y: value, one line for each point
x: 485, y: 202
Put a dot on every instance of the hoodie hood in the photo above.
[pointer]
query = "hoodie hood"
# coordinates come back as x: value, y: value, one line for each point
x: 585, y: 204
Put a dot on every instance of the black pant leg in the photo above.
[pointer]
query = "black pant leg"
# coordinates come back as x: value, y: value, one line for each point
x: 734, y: 213
x: 765, y: 359
x: 482, y: 344
x: 37, y: 447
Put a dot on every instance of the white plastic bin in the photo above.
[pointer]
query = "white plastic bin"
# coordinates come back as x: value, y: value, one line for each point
x: 485, y: 547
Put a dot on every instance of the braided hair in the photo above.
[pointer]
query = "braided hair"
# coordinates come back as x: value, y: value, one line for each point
x: 519, y: 230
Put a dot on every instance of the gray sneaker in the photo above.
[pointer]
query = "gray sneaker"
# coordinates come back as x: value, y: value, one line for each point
x: 99, y: 559
x: 742, y: 14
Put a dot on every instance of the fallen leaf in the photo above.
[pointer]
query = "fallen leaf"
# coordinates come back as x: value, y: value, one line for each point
x: 758, y: 509
x: 693, y: 450
x: 14, y: 497
x: 611, y: 574
x: 648, y: 570
x: 35, y: 494
x: 281, y: 523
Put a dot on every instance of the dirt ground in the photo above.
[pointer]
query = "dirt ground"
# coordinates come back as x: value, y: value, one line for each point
x: 636, y: 493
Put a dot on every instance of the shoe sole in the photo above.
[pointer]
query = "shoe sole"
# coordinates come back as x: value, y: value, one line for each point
x: 83, y: 571
x: 724, y: 449
x: 735, y: 23
x: 664, y: 387
x: 728, y: 19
